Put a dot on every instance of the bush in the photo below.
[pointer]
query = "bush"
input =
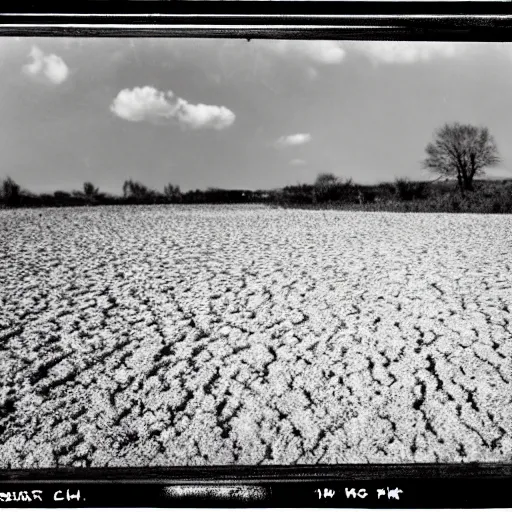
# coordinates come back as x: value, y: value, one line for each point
x: 329, y: 187
x: 407, y: 190
x: 365, y: 196
x: 295, y: 194
x: 59, y: 194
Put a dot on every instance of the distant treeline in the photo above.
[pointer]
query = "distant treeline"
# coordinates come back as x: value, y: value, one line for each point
x: 11, y: 195
x: 402, y: 195
x: 328, y: 191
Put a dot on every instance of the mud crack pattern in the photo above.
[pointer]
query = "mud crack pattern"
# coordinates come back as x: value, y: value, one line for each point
x: 137, y: 336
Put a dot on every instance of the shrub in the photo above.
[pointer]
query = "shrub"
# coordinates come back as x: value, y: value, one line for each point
x: 293, y: 195
x: 329, y: 187
x: 407, y: 190
x: 366, y: 196
x: 60, y: 194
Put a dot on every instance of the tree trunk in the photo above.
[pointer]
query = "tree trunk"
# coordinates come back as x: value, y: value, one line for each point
x: 461, y: 184
x: 468, y: 184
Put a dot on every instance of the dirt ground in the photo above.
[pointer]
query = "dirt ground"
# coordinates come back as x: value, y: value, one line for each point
x: 135, y: 336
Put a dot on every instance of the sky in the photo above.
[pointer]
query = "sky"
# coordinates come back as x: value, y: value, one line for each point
x: 201, y: 113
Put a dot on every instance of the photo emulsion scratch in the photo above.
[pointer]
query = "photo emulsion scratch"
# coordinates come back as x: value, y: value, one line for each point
x: 208, y: 262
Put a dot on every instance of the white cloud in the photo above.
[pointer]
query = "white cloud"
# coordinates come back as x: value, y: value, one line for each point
x: 297, y: 162
x: 318, y: 52
x: 49, y: 67
x: 406, y: 52
x: 293, y: 140
x: 157, y: 107
x: 204, y: 116
x: 142, y: 104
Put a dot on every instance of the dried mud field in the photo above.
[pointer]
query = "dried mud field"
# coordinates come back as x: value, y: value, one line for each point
x: 137, y: 336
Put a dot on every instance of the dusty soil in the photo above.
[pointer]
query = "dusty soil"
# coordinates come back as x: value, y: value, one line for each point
x: 216, y: 335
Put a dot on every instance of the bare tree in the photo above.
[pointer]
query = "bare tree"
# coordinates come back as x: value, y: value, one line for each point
x: 461, y: 150
x: 90, y: 190
x: 135, y: 189
x: 10, y: 192
x: 126, y: 187
x: 172, y: 192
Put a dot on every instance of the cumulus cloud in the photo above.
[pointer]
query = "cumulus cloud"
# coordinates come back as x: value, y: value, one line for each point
x: 406, y: 52
x: 318, y: 52
x: 293, y: 140
x: 157, y: 107
x: 49, y: 67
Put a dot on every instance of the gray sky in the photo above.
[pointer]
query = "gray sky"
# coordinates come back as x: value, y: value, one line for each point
x: 238, y: 114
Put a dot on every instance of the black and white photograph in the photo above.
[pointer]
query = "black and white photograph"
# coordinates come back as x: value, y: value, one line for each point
x: 231, y: 252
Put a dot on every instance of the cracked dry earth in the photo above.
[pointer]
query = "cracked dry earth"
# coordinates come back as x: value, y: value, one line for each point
x: 245, y: 335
